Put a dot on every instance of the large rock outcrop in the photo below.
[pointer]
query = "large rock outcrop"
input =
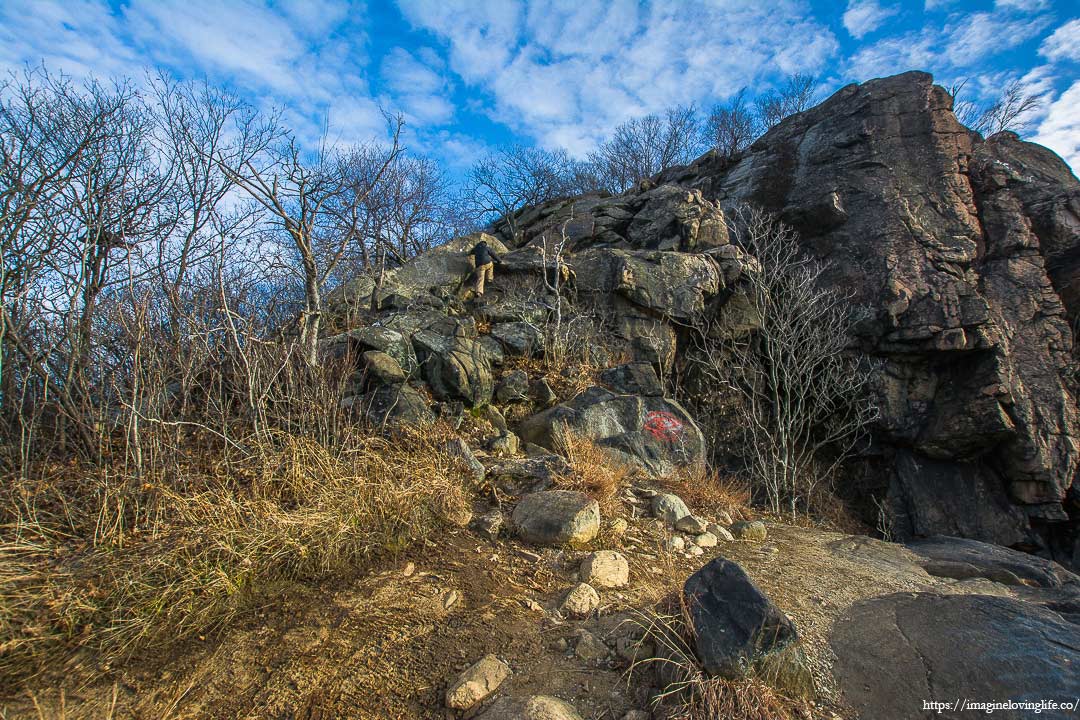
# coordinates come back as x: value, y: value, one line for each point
x: 962, y: 255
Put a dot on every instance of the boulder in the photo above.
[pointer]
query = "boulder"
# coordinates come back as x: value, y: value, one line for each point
x: 392, y: 407
x: 518, y: 338
x: 753, y: 531
x: 503, y: 445
x: 672, y: 284
x: 477, y: 683
x: 670, y: 508
x: 896, y: 651
x: 517, y: 475
x: 455, y: 367
x: 581, y: 601
x: 537, y: 707
x: 382, y: 369
x: 650, y: 433
x: 633, y: 379
x: 605, y: 569
x: 542, y: 393
x: 691, y: 525
x: 556, y: 517
x: 961, y: 559
x: 735, y: 626
x: 512, y: 387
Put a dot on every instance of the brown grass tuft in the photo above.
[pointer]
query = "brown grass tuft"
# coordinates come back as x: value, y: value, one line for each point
x: 709, y: 491
x: 594, y: 470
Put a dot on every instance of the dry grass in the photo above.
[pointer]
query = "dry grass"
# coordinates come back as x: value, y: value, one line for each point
x: 689, y: 693
x: 594, y: 470
x: 162, y: 562
x: 707, y: 490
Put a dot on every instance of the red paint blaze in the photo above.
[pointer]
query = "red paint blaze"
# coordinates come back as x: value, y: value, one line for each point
x: 664, y: 426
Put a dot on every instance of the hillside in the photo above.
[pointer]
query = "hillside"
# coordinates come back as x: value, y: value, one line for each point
x: 575, y: 406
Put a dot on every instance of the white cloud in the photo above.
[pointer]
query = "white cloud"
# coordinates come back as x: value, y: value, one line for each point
x: 1064, y: 43
x: 566, y: 72
x: 1027, y: 6
x: 1060, y: 130
x: 416, y: 87
x: 980, y: 35
x: 865, y: 16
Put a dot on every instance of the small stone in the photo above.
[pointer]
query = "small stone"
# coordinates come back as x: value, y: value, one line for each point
x: 753, y: 531
x: 493, y: 416
x: 618, y: 526
x: 722, y: 533
x: 675, y: 544
x: 450, y: 599
x: 705, y: 540
x: 560, y: 645
x: 669, y: 508
x: 605, y: 569
x: 694, y: 551
x: 581, y: 601
x: 489, y: 524
x: 477, y: 683
x: 590, y: 648
x: 542, y: 394
x: 410, y: 568
x: 723, y: 518
x: 636, y: 715
x: 504, y: 445
x: 691, y: 525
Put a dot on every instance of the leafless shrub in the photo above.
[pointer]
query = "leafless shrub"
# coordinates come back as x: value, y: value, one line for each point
x: 796, y: 95
x: 641, y: 147
x: 803, y: 402
x: 1011, y: 110
x: 731, y: 127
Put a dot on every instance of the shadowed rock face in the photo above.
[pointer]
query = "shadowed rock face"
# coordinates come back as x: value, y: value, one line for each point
x: 963, y: 257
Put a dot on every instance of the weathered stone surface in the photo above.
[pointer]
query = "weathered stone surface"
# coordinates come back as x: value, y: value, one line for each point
x: 537, y: 707
x: 477, y: 683
x: 754, y: 531
x: 381, y: 368
x: 556, y: 517
x: 518, y: 338
x: 581, y: 601
x: 675, y: 285
x: 455, y: 367
x: 651, y: 433
x: 392, y: 406
x: 735, y: 626
x: 893, y: 652
x: 542, y: 393
x: 605, y: 569
x: 669, y: 508
x: 691, y: 525
x: 961, y: 558
x: 633, y: 379
x: 460, y: 450
x: 512, y: 387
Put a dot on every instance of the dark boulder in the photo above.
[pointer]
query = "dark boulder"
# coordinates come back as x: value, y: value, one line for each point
x: 633, y: 379
x: 735, y: 626
x: 455, y: 367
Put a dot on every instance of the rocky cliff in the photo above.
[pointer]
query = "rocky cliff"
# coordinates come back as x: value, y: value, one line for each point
x: 961, y: 256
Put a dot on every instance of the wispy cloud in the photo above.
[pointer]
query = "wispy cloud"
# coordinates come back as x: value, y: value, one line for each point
x: 565, y: 73
x: 1064, y: 43
x: 865, y: 16
x: 1061, y: 128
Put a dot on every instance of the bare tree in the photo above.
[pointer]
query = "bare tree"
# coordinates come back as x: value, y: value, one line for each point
x: 1011, y: 110
x: 796, y: 95
x: 642, y: 147
x: 502, y: 184
x: 804, y: 403
x: 731, y: 127
x: 300, y: 193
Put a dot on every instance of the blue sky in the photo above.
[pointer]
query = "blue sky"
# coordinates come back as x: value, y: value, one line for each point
x: 472, y: 75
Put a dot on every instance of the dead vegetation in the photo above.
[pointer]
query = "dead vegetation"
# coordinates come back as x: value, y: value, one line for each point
x: 140, y: 560
x: 594, y: 471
